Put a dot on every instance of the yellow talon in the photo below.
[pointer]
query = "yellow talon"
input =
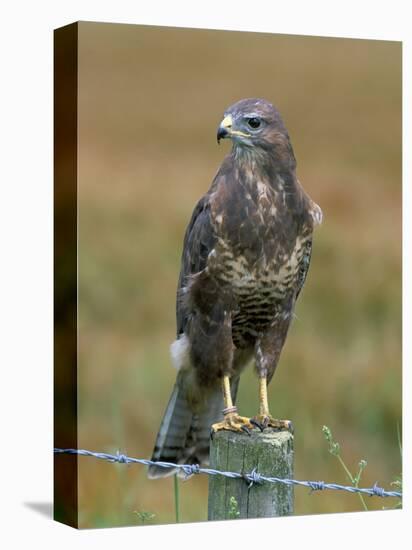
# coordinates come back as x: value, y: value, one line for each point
x: 263, y: 421
x: 233, y: 422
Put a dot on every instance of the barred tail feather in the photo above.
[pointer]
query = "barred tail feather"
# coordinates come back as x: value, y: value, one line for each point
x: 184, y: 436
x: 173, y: 431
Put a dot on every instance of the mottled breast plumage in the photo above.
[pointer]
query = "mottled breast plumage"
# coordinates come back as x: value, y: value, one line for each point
x: 255, y: 258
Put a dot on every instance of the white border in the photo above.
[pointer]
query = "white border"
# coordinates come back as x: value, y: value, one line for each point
x: 26, y: 265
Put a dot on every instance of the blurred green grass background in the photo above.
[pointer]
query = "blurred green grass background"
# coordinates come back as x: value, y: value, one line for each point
x: 150, y: 100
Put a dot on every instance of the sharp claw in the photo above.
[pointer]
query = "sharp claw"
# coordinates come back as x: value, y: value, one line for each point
x: 257, y: 424
x: 232, y: 422
x: 245, y: 429
x: 276, y: 425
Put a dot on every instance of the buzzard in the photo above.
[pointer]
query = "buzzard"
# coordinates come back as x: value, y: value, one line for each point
x: 245, y: 258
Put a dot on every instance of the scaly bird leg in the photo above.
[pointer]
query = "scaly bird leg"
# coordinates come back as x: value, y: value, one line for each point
x: 264, y: 419
x: 231, y: 421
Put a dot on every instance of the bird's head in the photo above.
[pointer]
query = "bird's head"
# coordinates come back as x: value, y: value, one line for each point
x: 252, y: 123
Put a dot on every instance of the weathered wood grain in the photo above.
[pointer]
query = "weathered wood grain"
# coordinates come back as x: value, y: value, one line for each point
x: 271, y: 454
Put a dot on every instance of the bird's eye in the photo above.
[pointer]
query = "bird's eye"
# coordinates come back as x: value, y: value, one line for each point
x: 253, y: 122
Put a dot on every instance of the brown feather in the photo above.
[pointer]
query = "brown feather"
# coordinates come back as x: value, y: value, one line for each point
x: 245, y: 258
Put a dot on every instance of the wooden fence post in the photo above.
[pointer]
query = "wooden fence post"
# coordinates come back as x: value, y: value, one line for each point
x: 271, y: 454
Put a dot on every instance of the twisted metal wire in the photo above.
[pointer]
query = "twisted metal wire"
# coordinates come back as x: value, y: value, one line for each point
x: 251, y: 478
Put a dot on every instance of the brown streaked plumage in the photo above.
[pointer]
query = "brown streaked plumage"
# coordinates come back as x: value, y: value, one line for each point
x: 245, y: 257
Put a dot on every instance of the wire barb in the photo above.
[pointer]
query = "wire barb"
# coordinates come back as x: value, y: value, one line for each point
x: 317, y: 485
x: 252, y: 478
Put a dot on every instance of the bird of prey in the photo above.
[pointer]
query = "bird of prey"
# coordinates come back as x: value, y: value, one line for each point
x: 245, y: 258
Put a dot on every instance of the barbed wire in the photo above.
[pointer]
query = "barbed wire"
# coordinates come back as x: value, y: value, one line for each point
x: 251, y: 478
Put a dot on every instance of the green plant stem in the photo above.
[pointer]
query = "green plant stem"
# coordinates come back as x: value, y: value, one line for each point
x: 352, y: 480
x: 177, y: 498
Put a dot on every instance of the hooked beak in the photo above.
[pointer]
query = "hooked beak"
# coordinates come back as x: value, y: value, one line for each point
x: 224, y: 129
